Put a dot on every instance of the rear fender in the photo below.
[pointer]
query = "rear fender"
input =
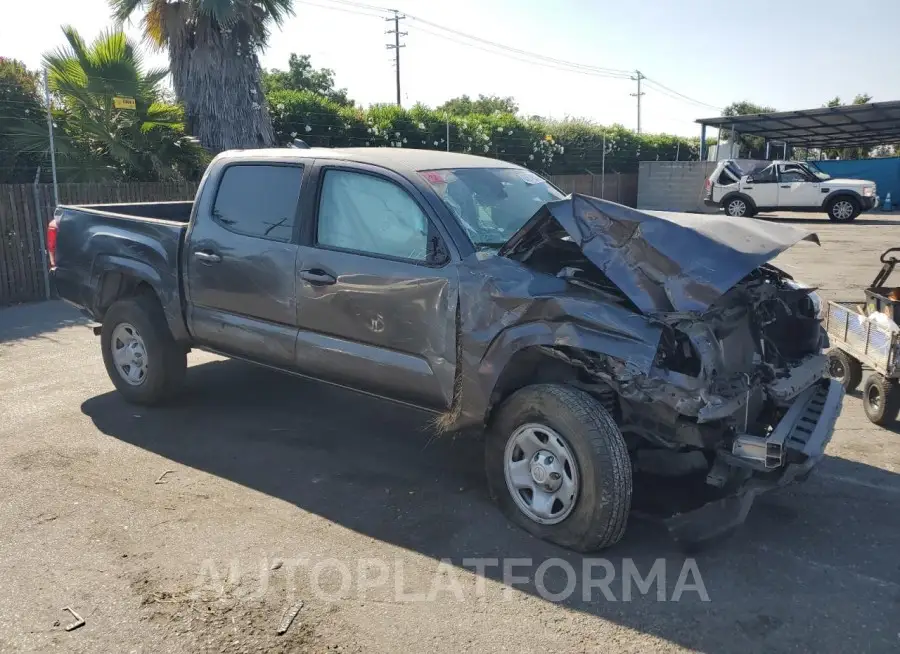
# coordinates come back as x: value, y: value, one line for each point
x: 166, y: 288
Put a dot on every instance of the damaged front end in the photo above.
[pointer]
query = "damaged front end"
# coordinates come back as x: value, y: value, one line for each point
x: 736, y: 393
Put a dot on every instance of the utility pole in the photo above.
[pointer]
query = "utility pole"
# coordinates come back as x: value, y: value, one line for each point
x: 395, y: 46
x: 638, y: 95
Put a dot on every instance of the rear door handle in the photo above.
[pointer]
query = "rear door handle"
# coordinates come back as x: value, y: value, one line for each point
x: 317, y: 276
x: 207, y: 257
x: 788, y: 186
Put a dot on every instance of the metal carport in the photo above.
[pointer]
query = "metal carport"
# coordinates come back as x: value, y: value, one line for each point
x: 857, y: 125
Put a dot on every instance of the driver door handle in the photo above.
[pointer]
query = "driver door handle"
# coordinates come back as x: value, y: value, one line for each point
x: 317, y: 276
x: 207, y: 257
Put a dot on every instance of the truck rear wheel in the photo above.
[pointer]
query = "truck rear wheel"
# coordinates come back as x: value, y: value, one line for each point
x: 142, y: 359
x: 881, y: 399
x: 558, y: 467
x: 844, y: 368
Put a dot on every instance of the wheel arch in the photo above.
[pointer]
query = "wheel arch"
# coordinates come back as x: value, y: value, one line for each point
x: 116, y: 277
x: 842, y: 193
x: 743, y: 196
x: 529, y: 353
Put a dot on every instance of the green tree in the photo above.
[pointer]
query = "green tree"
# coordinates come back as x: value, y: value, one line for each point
x: 752, y: 147
x: 485, y: 104
x: 96, y: 140
x: 213, y: 50
x: 21, y: 110
x: 301, y: 76
x: 848, y: 153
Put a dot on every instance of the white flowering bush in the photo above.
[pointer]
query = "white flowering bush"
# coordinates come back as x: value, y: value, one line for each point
x: 552, y: 147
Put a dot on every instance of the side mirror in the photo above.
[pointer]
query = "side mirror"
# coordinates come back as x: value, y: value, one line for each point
x: 749, y: 179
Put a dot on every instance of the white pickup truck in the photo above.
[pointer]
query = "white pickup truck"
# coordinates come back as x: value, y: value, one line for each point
x: 787, y: 186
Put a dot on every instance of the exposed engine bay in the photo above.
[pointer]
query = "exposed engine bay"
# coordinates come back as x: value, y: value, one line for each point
x: 731, y: 359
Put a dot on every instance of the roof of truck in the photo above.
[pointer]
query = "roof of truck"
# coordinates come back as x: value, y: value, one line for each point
x: 408, y: 159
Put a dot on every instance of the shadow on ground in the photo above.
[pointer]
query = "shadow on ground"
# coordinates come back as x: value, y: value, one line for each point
x: 40, y: 320
x: 814, y: 569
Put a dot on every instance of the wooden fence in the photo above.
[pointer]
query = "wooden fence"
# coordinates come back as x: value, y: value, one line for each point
x: 25, y: 211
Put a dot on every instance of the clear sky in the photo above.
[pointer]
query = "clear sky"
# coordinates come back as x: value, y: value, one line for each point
x: 789, y: 55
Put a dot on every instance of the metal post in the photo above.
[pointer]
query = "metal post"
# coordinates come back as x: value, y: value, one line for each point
x: 677, y: 149
x: 50, y: 129
x: 732, y: 146
x: 768, y: 149
x: 41, y: 227
x: 603, y: 168
x: 447, y: 116
x: 702, y: 140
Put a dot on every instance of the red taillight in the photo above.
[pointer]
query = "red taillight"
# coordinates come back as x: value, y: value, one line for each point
x: 51, y: 242
x: 708, y: 184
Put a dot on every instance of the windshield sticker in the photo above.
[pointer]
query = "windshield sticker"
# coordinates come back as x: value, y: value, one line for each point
x: 529, y: 177
x: 434, y: 176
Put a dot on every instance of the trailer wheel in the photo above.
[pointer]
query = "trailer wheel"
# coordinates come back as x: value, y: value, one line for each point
x: 844, y: 368
x: 558, y: 467
x: 881, y: 399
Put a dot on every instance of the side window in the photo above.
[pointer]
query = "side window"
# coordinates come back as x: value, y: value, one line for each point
x: 369, y: 214
x: 259, y: 201
x: 765, y: 176
x: 793, y: 175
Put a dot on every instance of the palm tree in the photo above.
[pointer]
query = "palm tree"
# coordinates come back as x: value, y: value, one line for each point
x: 212, y: 46
x: 147, y: 142
x: 96, y: 140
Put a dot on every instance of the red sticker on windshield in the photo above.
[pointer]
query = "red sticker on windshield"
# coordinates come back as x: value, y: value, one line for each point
x: 433, y: 177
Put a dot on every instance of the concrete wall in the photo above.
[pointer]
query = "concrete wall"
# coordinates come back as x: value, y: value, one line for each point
x: 673, y: 185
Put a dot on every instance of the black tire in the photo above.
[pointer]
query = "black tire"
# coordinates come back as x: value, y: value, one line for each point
x: 844, y: 368
x: 166, y: 360
x: 836, y: 208
x: 881, y: 399
x: 600, y: 513
x: 738, y: 206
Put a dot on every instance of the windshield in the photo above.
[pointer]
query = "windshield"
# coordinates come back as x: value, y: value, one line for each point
x: 491, y: 204
x: 814, y: 169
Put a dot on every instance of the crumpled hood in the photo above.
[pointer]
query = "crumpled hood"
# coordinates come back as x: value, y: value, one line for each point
x: 662, y: 261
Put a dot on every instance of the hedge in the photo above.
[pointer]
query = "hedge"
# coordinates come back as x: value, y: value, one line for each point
x: 551, y: 147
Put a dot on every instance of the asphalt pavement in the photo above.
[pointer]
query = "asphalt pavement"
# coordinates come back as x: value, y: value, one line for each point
x: 200, y: 526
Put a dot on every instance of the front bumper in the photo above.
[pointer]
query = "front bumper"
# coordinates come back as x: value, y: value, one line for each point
x: 805, y: 431
x: 868, y: 204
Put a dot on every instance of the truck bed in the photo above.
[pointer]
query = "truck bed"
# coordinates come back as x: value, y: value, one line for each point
x: 179, y: 211
x: 100, y: 246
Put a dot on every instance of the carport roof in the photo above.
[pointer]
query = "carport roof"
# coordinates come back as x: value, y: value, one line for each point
x: 854, y: 125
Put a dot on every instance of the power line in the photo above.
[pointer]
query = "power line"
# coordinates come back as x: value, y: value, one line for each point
x: 348, y: 11
x: 560, y: 63
x: 672, y: 92
x: 515, y: 57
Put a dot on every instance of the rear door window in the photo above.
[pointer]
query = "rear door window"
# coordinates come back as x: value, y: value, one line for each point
x: 259, y: 200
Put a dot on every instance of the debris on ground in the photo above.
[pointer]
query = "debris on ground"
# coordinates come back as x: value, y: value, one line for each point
x: 79, y: 621
x: 162, y: 476
x: 289, y: 617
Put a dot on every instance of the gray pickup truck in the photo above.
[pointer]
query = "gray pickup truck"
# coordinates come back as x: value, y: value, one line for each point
x: 596, y: 346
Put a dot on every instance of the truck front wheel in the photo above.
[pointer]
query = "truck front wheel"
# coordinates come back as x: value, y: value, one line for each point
x: 558, y: 467
x: 843, y: 209
x: 142, y: 359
